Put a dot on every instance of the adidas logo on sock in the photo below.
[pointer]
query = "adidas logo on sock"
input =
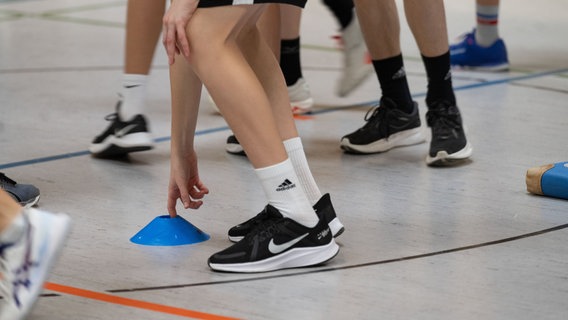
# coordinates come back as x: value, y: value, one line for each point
x: 399, y: 74
x: 287, y: 184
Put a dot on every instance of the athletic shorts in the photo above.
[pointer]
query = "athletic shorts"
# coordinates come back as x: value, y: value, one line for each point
x: 219, y: 3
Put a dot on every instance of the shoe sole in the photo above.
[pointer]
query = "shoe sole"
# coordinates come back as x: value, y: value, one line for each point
x: 400, y: 139
x: 30, y: 203
x: 442, y: 158
x: 503, y: 67
x: 303, y: 106
x: 114, y: 147
x: 293, y: 258
x: 233, y: 148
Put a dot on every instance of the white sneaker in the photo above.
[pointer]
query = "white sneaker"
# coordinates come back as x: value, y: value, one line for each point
x: 25, y: 264
x: 356, y: 61
x: 300, y: 95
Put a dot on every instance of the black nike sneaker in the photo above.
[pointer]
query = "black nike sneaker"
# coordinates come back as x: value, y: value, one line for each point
x: 275, y: 244
x: 449, y: 144
x: 323, y: 208
x: 122, y: 137
x: 386, y: 127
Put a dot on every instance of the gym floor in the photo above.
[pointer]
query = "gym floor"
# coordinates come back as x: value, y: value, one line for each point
x: 464, y: 242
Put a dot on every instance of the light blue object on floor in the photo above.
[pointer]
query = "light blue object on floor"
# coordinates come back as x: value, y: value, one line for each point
x: 555, y: 181
x: 167, y: 231
x: 549, y: 180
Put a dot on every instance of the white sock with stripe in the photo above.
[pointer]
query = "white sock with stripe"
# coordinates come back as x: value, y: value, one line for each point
x: 486, y: 32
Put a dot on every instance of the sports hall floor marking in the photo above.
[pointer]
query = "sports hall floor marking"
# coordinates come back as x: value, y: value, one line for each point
x: 93, y: 295
x: 225, y: 128
x: 355, y: 266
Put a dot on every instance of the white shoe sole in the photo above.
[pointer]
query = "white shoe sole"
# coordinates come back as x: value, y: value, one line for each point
x: 399, y: 139
x: 129, y: 143
x: 294, y: 258
x: 442, y: 158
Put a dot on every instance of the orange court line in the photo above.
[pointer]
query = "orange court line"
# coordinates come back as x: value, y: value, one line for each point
x: 131, y: 302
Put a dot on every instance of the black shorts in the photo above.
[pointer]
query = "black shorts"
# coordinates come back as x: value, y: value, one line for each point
x: 219, y: 3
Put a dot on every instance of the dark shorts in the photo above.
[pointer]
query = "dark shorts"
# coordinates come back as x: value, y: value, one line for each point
x: 219, y: 3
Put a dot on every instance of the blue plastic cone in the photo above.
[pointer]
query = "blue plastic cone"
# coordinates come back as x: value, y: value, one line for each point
x: 167, y: 231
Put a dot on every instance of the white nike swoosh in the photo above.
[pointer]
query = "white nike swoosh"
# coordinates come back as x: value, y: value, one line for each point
x: 124, y: 130
x: 277, y: 248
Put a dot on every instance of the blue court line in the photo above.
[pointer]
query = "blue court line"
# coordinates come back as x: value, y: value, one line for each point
x: 86, y: 152
x: 224, y: 128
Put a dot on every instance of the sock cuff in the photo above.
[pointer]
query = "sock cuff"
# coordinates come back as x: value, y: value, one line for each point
x: 275, y: 170
x: 293, y: 144
x: 134, y: 79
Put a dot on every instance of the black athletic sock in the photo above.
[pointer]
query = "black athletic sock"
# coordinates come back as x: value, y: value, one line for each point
x: 290, y: 60
x: 342, y: 10
x: 394, y: 85
x: 439, y: 79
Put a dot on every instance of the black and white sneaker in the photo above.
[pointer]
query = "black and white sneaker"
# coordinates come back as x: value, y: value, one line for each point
x: 122, y: 137
x: 277, y: 243
x: 324, y: 209
x: 387, y: 127
x: 449, y: 144
x: 234, y: 147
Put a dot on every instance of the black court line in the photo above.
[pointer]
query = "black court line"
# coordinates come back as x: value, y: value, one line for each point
x: 224, y: 128
x: 347, y: 267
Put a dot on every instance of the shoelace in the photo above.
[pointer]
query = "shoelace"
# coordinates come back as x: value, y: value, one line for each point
x: 263, y: 230
x: 378, y: 116
x: 4, y: 180
x: 443, y: 119
x: 113, y: 116
x: 259, y: 218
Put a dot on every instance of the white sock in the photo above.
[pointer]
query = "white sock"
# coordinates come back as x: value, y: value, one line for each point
x: 14, y: 231
x: 133, y: 94
x: 280, y: 184
x: 486, y: 32
x: 296, y: 154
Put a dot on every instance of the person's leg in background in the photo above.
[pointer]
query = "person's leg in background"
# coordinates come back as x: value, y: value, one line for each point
x: 356, y: 62
x: 396, y: 121
x: 290, y: 59
x: 482, y: 49
x: 129, y: 130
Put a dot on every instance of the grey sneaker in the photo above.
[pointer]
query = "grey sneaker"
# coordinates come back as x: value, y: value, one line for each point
x: 26, y: 263
x: 26, y: 195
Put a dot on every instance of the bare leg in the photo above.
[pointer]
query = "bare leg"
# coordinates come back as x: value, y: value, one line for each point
x: 381, y: 27
x: 9, y: 210
x: 427, y: 20
x: 143, y: 28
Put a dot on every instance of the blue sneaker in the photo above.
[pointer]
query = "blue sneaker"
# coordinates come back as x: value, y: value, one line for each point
x: 468, y: 54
